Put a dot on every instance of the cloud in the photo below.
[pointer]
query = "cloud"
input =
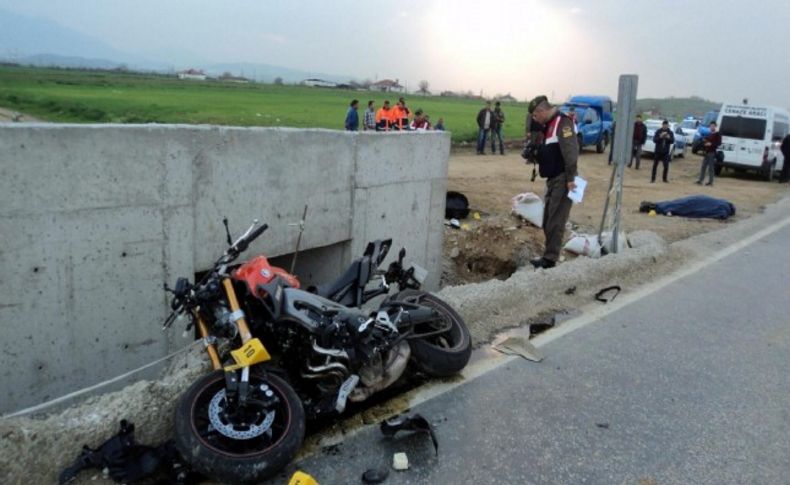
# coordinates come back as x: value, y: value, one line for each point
x: 274, y: 38
x: 576, y: 10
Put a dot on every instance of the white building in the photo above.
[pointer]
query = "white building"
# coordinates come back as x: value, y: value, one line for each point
x: 192, y: 74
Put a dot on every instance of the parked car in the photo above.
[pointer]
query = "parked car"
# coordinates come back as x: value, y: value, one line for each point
x: 593, y: 120
x: 689, y: 127
x: 678, y: 149
x: 703, y: 130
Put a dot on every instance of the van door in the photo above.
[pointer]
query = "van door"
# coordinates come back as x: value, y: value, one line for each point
x: 743, y: 139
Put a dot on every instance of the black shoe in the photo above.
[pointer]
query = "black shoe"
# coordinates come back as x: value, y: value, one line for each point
x: 698, y: 182
x: 709, y: 183
x: 501, y: 153
x: 665, y: 181
x: 652, y: 181
x: 629, y: 165
x: 542, y: 263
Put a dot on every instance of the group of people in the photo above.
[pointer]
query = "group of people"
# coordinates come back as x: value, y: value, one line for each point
x: 664, y: 140
x: 490, y: 122
x: 389, y: 118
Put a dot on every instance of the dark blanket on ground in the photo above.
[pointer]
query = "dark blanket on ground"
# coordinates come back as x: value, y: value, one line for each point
x: 696, y: 206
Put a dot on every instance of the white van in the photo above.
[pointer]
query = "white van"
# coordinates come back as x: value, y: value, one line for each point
x: 751, y: 136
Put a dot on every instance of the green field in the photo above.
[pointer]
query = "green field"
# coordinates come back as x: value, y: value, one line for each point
x: 123, y: 97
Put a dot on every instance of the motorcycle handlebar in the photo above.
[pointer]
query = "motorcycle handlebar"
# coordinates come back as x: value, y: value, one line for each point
x: 241, y: 244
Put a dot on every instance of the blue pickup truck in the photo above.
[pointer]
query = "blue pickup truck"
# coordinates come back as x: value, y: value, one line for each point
x: 593, y: 116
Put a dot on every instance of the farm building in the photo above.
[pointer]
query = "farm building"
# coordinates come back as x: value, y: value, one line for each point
x: 192, y: 74
x: 388, y: 86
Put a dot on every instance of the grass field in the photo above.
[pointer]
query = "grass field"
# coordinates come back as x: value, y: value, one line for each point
x: 119, y: 97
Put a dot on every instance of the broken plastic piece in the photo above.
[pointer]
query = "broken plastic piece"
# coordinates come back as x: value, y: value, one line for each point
x: 519, y: 346
x: 400, y: 461
x: 375, y: 475
x: 405, y: 423
x: 600, y: 295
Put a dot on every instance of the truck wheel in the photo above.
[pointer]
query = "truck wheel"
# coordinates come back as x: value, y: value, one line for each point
x: 601, y: 145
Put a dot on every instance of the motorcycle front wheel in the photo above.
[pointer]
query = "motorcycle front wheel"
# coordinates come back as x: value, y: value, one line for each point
x: 443, y: 354
x: 239, y: 445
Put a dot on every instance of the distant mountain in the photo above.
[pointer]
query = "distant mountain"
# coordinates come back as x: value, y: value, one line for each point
x: 41, y: 42
x: 22, y: 37
x: 676, y: 108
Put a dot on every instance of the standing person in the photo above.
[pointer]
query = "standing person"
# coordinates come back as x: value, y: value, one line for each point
x: 400, y: 115
x: 370, y: 117
x: 710, y: 144
x: 439, y: 124
x: 664, y: 139
x: 484, y: 119
x: 640, y: 137
x: 420, y: 121
x: 352, y: 117
x: 383, y: 117
x: 572, y: 114
x: 496, y: 129
x: 784, y: 176
x: 611, y: 146
x: 557, y: 158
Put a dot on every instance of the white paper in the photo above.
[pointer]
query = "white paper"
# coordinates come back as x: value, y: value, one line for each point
x: 577, y: 194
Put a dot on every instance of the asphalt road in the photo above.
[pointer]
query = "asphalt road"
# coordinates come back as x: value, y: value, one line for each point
x: 690, y: 385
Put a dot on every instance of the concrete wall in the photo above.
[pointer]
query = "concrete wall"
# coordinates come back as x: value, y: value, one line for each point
x: 93, y: 219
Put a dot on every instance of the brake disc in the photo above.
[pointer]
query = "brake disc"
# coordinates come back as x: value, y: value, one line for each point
x: 216, y: 410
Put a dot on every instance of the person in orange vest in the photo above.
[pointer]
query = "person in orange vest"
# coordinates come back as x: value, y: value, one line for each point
x: 383, y: 117
x: 400, y: 116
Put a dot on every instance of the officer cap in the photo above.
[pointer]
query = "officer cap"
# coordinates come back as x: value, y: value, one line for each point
x: 536, y: 101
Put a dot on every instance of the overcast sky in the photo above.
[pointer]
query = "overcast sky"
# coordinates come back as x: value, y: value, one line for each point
x: 723, y: 50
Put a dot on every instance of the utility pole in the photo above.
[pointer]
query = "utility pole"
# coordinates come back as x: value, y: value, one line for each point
x: 623, y: 141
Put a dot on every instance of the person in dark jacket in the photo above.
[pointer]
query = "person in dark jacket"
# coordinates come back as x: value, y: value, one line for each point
x: 611, y: 145
x: 640, y: 137
x: 664, y: 139
x: 496, y: 129
x: 710, y: 144
x: 352, y: 117
x: 485, y: 118
x: 784, y: 177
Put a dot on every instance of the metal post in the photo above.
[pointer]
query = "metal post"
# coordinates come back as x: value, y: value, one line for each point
x: 624, y: 134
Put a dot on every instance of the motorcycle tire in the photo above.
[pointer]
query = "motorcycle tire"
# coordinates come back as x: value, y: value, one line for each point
x: 231, y: 460
x: 443, y: 355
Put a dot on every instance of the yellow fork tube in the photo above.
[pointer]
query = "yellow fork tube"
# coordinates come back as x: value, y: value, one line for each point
x: 210, y: 348
x: 244, y: 330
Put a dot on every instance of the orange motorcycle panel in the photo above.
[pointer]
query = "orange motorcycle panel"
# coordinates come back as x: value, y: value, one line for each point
x: 258, y: 271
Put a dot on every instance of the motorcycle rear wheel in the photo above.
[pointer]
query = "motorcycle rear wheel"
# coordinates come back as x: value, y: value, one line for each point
x: 445, y: 354
x: 248, y: 458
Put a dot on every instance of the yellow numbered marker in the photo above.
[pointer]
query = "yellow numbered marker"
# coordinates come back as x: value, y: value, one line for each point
x: 302, y: 478
x: 249, y: 354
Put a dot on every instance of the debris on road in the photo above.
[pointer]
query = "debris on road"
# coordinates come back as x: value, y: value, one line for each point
x: 457, y: 206
x: 302, y: 478
x: 400, y: 461
x: 417, y: 423
x: 375, y: 475
x: 519, y: 346
x: 600, y: 296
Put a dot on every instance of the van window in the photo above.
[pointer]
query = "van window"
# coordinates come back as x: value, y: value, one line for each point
x: 780, y: 130
x: 590, y: 115
x: 740, y: 127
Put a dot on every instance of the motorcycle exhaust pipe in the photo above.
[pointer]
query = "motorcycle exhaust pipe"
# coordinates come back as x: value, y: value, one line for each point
x: 339, y: 354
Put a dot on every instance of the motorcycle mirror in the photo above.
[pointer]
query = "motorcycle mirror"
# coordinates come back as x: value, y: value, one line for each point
x: 227, y: 231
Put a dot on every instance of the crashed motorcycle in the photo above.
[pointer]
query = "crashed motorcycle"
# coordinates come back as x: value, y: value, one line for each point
x: 246, y: 420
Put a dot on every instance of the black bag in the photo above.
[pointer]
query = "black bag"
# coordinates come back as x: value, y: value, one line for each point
x: 457, y: 206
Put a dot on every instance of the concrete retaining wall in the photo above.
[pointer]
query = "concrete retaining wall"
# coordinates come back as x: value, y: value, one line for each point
x: 93, y: 219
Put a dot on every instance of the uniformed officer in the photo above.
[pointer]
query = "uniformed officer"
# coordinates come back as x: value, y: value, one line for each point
x: 557, y: 158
